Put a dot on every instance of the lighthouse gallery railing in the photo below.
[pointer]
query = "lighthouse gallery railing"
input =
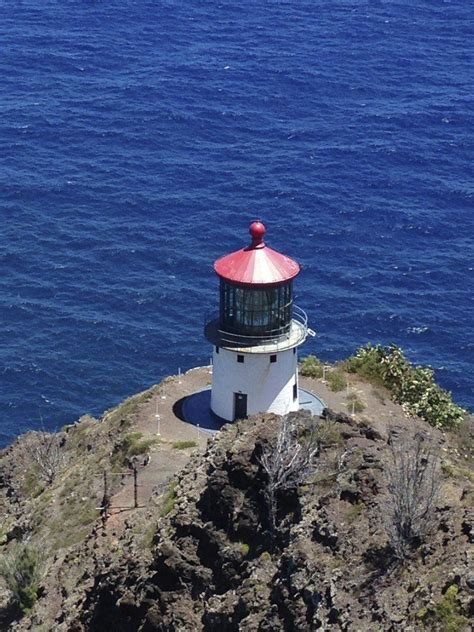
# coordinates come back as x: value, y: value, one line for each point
x: 268, y: 342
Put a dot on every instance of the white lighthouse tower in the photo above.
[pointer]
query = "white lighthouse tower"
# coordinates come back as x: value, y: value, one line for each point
x: 257, y: 332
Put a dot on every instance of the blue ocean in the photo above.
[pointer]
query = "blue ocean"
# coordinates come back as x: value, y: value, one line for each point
x: 139, y: 139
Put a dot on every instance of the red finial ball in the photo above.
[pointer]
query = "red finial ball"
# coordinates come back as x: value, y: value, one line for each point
x: 257, y: 230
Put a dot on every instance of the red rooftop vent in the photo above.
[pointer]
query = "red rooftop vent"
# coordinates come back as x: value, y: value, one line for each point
x: 257, y: 264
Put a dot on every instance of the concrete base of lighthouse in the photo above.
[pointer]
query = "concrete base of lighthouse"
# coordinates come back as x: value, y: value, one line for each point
x: 245, y: 384
x: 196, y: 409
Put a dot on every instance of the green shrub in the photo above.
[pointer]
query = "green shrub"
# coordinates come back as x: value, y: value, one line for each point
x: 244, y: 549
x: 169, y: 501
x: 183, y: 445
x: 447, y: 614
x: 31, y: 485
x: 19, y: 569
x: 328, y: 433
x: 311, y: 366
x: 132, y: 444
x: 336, y: 381
x: 412, y: 387
x: 354, y: 404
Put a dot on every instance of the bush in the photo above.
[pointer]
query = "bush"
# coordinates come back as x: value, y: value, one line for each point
x: 412, y: 387
x: 311, y: 366
x: 354, y: 404
x: 44, y: 450
x: 413, y: 484
x: 336, y: 381
x: 448, y: 613
x: 170, y: 500
x: 183, y: 445
x: 131, y: 445
x: 244, y: 549
x: 328, y: 433
x: 19, y: 569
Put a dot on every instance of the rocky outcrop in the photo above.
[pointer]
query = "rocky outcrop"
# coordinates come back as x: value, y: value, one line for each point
x: 214, y: 567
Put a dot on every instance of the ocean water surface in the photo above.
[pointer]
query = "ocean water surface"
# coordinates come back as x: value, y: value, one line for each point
x: 139, y: 139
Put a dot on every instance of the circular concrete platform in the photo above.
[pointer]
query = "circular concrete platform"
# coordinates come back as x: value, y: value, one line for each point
x: 196, y: 409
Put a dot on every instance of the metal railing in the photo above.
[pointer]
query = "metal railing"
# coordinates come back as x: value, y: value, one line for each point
x: 271, y: 341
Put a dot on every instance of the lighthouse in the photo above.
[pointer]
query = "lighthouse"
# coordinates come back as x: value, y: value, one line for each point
x: 257, y: 332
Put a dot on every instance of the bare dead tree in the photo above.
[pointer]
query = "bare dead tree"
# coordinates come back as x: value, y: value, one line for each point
x: 413, y: 483
x: 44, y: 450
x: 287, y: 461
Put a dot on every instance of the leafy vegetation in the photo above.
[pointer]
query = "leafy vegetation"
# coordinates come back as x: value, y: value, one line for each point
x: 170, y: 500
x: 447, y: 613
x: 183, y: 445
x: 311, y: 366
x: 354, y: 403
x: 411, y: 386
x: 336, y: 381
x: 20, y: 570
x: 132, y: 444
x: 31, y: 485
x: 244, y: 549
x: 328, y: 433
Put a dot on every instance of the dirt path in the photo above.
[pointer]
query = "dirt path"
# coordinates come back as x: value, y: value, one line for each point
x: 164, y: 459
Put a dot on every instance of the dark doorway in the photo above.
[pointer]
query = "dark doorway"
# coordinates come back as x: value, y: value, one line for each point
x: 240, y: 405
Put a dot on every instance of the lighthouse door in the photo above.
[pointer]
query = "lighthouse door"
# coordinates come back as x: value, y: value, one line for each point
x: 240, y: 405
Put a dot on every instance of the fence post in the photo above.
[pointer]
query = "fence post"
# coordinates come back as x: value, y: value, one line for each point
x: 135, y: 487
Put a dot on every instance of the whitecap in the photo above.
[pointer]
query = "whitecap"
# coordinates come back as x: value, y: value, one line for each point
x: 416, y: 330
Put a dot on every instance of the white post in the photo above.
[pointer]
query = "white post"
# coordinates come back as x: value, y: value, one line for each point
x: 179, y: 375
x: 210, y: 364
x: 353, y: 406
x: 158, y: 419
x: 197, y: 426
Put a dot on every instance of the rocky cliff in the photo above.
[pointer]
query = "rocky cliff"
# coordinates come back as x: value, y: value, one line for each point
x: 201, y: 554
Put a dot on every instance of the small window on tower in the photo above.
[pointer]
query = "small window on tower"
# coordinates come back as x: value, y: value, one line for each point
x: 240, y: 358
x: 294, y: 350
x: 295, y: 391
x: 273, y: 358
x: 217, y: 349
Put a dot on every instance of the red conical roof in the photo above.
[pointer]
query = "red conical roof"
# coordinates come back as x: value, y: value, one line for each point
x: 257, y: 264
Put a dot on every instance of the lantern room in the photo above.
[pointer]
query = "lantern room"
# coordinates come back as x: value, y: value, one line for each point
x: 256, y: 294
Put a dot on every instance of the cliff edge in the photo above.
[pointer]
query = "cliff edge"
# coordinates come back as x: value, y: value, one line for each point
x: 203, y: 551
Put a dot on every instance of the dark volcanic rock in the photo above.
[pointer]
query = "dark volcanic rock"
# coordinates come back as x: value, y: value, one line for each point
x: 215, y: 568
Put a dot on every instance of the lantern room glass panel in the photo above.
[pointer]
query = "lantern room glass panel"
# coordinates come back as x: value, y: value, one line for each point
x: 257, y: 312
